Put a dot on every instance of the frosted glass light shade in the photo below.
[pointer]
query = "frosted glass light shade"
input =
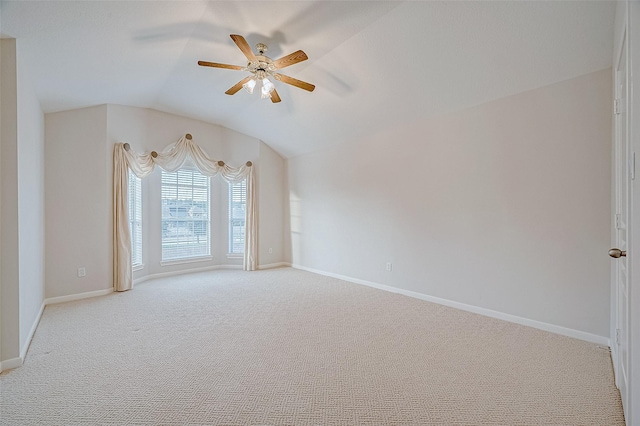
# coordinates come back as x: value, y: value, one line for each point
x: 267, y: 85
x: 267, y: 88
x: 249, y: 85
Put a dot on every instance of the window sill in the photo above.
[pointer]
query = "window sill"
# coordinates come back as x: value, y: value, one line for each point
x: 235, y: 256
x: 138, y: 267
x: 187, y: 260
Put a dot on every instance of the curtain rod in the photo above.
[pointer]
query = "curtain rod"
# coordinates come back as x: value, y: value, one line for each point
x: 154, y: 154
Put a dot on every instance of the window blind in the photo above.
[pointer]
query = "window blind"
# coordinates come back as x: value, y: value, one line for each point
x: 185, y: 215
x: 135, y: 218
x: 237, y: 211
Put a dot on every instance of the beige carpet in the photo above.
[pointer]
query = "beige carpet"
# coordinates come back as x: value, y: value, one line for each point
x: 287, y: 347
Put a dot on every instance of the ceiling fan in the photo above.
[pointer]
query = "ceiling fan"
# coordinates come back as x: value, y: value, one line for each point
x: 261, y: 68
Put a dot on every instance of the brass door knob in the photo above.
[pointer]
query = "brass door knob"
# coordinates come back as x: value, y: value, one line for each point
x: 614, y: 252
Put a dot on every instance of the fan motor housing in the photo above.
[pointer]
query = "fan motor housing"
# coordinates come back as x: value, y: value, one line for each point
x: 263, y: 63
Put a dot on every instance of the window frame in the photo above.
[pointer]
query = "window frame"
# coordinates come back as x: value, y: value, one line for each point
x: 184, y: 222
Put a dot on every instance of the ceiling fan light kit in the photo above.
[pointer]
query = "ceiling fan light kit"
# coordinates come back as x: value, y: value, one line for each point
x: 261, y: 68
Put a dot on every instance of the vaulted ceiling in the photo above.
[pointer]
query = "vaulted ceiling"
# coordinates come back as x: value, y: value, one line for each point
x: 375, y: 64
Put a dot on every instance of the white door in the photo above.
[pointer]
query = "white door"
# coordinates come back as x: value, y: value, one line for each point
x: 621, y: 231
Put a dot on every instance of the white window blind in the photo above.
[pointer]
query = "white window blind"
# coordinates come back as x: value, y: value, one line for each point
x: 237, y: 209
x: 185, y: 215
x: 135, y: 218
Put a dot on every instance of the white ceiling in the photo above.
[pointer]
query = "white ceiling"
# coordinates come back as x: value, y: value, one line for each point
x: 375, y: 64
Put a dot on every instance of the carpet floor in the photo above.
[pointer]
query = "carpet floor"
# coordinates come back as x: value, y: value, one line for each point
x: 288, y: 347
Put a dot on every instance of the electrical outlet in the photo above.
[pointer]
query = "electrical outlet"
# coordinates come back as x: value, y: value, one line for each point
x: 270, y: 250
x: 389, y: 267
x: 82, y: 272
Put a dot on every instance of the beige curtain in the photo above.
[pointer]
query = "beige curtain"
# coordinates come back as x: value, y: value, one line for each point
x: 171, y: 159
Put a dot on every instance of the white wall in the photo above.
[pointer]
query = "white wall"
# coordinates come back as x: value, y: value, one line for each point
x: 22, y: 207
x: 503, y: 206
x: 78, y: 168
x: 9, y: 278
x: 30, y: 204
x: 271, y: 172
x: 77, y: 200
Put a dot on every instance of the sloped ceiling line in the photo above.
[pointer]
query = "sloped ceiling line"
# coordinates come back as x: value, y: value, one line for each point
x: 374, y: 64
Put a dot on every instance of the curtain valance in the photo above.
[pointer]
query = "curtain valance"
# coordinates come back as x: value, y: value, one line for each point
x: 170, y: 159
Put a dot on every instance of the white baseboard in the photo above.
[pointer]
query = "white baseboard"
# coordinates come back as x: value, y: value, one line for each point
x: 207, y: 268
x: 78, y: 296
x: 273, y: 265
x: 183, y: 272
x: 10, y: 363
x: 576, y: 334
x: 23, y: 352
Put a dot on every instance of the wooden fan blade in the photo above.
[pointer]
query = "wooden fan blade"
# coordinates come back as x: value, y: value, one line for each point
x: 237, y: 86
x: 244, y: 46
x: 295, y: 82
x: 275, y: 98
x: 290, y: 59
x: 216, y: 65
